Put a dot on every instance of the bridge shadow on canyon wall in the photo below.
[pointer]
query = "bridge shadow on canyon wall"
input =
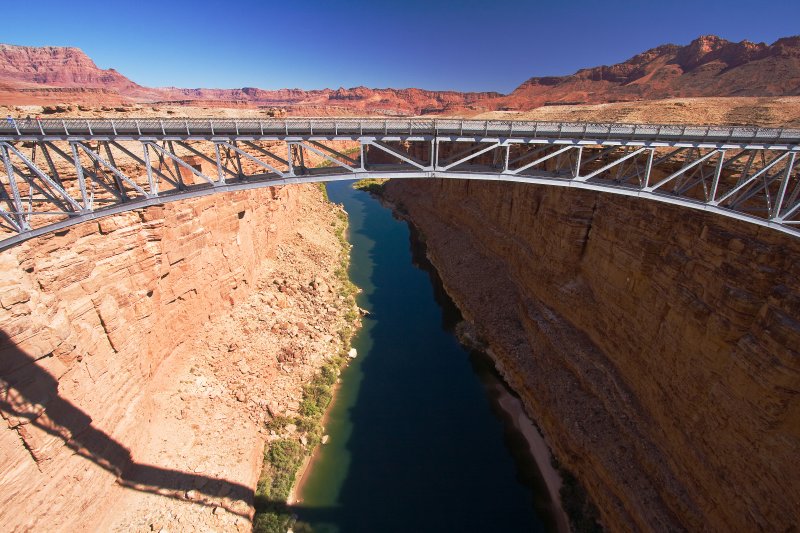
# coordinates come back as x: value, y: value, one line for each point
x: 29, y: 396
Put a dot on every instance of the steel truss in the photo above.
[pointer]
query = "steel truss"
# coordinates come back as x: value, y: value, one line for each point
x: 62, y: 172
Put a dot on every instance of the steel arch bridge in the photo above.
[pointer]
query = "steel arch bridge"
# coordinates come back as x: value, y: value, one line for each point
x: 61, y: 172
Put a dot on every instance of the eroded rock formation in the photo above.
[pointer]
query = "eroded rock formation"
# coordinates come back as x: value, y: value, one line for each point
x: 655, y: 346
x: 708, y: 66
x: 141, y: 355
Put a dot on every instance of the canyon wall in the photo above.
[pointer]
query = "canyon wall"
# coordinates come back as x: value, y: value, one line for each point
x: 657, y: 347
x: 92, y: 316
x: 708, y: 66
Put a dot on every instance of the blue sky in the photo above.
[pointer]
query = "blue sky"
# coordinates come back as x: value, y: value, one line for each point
x: 466, y: 45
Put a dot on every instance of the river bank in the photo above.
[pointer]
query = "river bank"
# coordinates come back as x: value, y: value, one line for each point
x: 165, y: 340
x: 500, y: 392
x: 410, y: 417
x: 296, y: 434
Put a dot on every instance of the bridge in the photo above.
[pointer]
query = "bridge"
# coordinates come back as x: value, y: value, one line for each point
x: 61, y: 172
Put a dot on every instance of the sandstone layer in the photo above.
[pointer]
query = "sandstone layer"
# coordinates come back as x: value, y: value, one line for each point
x: 655, y: 347
x: 142, y: 354
x: 708, y: 66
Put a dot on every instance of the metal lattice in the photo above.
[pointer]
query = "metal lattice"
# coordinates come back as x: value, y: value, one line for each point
x: 60, y: 172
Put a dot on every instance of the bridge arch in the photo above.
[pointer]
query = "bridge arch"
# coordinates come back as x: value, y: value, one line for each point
x: 59, y: 173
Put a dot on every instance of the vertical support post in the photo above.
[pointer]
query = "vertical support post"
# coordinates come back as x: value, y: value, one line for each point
x: 776, y: 213
x: 238, y: 159
x: 220, y: 174
x: 302, y: 159
x: 648, y: 168
x: 153, y: 184
x: 717, y: 174
x: 117, y: 180
x: 289, y: 158
x: 577, y: 172
x: 22, y: 224
x: 436, y: 153
x: 178, y: 175
x: 507, y: 155
x: 51, y: 165
x: 81, y: 178
x: 363, y: 154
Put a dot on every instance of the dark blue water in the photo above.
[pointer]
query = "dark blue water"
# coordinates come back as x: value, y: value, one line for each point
x: 415, y: 443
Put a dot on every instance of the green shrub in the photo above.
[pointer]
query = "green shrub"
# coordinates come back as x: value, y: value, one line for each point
x: 324, y: 190
x: 328, y: 374
x: 371, y: 185
x: 278, y: 423
x: 283, y: 457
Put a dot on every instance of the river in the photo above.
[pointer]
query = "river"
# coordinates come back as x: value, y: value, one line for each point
x: 419, y: 437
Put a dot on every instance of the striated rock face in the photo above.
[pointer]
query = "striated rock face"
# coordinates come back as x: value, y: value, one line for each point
x: 708, y: 66
x: 657, y: 347
x: 90, y: 317
x: 58, y: 66
x: 33, y: 74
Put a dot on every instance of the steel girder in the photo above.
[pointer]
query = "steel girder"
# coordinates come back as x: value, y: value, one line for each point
x: 62, y: 172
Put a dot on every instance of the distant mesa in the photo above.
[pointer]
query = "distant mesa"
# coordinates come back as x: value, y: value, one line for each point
x: 708, y: 66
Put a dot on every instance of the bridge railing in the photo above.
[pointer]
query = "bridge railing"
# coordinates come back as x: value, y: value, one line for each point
x: 188, y: 127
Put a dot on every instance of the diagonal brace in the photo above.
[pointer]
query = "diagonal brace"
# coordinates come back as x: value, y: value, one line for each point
x: 336, y: 153
x: 403, y: 157
x: 112, y: 168
x: 542, y: 159
x: 44, y: 177
x: 253, y: 159
x: 749, y: 180
x: 326, y: 156
x: 674, y: 175
x: 473, y: 156
x: 179, y: 161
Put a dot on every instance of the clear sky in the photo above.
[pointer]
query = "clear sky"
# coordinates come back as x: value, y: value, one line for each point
x: 310, y: 44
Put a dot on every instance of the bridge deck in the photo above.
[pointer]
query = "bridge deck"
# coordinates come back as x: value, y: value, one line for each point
x: 60, y: 172
x: 352, y: 128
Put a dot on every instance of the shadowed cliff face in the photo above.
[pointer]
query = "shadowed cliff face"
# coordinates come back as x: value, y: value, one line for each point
x: 87, y: 317
x: 656, y: 347
x: 27, y: 387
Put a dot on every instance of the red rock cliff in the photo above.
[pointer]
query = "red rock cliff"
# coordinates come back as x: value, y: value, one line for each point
x: 657, y: 347
x: 88, y: 318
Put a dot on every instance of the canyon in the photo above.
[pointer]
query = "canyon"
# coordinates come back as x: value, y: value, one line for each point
x: 656, y: 349
x: 142, y: 354
x: 708, y: 66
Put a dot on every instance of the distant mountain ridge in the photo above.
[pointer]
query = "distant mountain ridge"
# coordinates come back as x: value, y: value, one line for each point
x: 708, y: 66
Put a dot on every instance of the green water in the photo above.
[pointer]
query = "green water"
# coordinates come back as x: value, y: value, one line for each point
x: 416, y: 443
